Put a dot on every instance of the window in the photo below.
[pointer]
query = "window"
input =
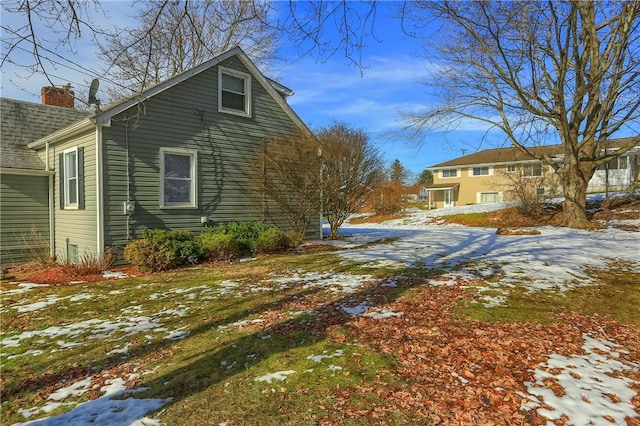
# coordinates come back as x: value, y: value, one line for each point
x: 71, y: 171
x: 178, y: 178
x: 481, y: 171
x: 489, y: 197
x: 71, y: 178
x: 449, y: 173
x: 619, y: 163
x: 72, y: 253
x: 532, y: 170
x: 511, y: 168
x: 234, y: 92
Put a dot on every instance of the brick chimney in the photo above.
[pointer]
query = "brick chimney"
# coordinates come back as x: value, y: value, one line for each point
x: 61, y: 96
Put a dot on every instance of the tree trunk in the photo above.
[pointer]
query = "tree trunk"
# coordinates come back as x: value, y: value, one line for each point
x: 575, y: 201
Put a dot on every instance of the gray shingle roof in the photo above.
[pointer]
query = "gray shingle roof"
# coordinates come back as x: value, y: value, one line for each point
x: 24, y: 122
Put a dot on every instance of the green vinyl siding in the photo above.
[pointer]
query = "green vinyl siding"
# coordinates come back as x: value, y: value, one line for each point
x: 24, y: 218
x: 186, y: 117
x: 76, y: 227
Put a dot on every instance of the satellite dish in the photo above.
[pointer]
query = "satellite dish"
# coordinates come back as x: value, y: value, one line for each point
x: 93, y: 89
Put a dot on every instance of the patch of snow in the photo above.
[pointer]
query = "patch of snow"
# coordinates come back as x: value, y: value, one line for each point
x: 320, y: 358
x: 587, y: 379
x: 104, y: 411
x: 177, y: 335
x: 23, y: 288
x: 356, y: 310
x: 50, y: 300
x: 278, y: 375
x: 114, y: 274
x: 463, y: 381
x: 382, y: 313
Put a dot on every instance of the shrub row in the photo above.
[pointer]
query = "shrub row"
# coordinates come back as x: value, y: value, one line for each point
x: 161, y: 249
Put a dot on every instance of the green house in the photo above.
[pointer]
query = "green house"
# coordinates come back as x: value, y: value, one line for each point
x: 175, y: 156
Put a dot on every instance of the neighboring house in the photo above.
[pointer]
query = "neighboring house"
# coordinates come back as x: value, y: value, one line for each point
x: 491, y: 175
x: 176, y: 156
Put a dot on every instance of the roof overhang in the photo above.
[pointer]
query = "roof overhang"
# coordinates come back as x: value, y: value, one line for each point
x: 440, y: 187
x: 24, y: 172
x: 68, y: 132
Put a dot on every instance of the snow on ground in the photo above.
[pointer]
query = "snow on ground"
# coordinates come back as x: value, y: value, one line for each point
x: 104, y: 411
x: 557, y: 258
x: 591, y: 392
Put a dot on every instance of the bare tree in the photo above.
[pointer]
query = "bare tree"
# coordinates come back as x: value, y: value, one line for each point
x: 568, y: 70
x: 351, y: 167
x: 290, y: 168
x: 531, y: 186
x: 39, y: 33
x: 40, y: 37
x: 174, y: 36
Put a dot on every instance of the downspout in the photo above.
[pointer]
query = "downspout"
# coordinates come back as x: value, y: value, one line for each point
x: 52, y: 210
x: 99, y: 196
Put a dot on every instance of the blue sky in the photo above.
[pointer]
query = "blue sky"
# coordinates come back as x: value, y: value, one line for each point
x: 332, y: 90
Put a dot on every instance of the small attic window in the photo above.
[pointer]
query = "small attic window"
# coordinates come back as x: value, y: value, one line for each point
x: 234, y: 92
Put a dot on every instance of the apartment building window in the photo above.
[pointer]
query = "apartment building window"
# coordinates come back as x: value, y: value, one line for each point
x: 449, y: 173
x: 532, y: 170
x: 511, y: 168
x: 480, y: 171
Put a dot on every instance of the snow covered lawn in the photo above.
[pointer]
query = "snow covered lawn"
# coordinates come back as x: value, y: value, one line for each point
x: 370, y: 333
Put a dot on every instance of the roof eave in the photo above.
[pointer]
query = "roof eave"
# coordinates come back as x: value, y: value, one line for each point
x: 67, y: 132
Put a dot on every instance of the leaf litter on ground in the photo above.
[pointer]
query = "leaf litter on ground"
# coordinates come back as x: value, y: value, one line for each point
x: 575, y: 370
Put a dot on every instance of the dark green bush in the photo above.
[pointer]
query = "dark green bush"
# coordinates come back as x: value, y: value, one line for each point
x: 272, y: 240
x: 246, y: 239
x: 219, y: 246
x: 149, y: 256
x: 161, y: 249
x: 182, y: 243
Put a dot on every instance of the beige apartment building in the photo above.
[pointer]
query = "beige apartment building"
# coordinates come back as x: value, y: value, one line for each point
x: 496, y: 175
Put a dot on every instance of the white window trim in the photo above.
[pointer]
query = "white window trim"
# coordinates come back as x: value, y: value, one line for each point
x: 67, y: 204
x: 442, y: 176
x: 511, y: 166
x: 247, y: 91
x: 489, y: 171
x: 194, y: 178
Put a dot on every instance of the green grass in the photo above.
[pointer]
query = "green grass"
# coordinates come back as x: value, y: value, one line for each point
x: 216, y: 365
x: 614, y: 295
x: 469, y: 219
x: 243, y: 325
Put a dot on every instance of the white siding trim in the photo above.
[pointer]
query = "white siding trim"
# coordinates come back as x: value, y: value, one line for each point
x: 99, y: 195
x: 52, y: 212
